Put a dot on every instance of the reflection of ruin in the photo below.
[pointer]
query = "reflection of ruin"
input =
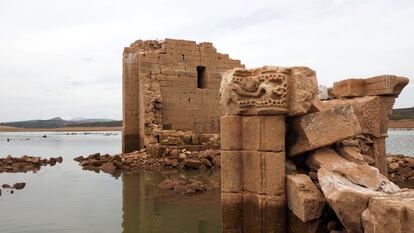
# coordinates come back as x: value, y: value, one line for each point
x: 146, y: 209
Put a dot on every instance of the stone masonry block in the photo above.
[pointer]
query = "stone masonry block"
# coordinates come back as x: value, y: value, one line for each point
x: 231, y: 171
x: 263, y: 172
x: 264, y: 213
x: 232, y: 212
x: 231, y: 133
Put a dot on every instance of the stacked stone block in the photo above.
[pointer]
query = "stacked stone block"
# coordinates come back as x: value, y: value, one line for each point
x: 163, y: 90
x: 253, y: 173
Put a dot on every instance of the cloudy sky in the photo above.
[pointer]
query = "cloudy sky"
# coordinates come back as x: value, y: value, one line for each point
x: 63, y: 58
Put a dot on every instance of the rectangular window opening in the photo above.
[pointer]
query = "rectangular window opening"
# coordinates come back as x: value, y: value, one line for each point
x: 201, y: 77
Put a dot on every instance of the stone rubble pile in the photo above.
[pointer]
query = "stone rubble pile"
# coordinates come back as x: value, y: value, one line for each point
x: 401, y: 169
x: 336, y: 161
x: 336, y: 165
x: 137, y: 161
x: 26, y: 163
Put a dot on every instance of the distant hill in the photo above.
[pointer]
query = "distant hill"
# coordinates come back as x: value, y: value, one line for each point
x: 59, y: 122
x: 402, y: 113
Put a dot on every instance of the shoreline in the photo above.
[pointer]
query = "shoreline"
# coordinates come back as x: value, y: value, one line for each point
x: 63, y: 129
x: 401, y: 124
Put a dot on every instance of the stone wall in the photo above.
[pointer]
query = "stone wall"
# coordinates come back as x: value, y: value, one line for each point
x: 171, y: 85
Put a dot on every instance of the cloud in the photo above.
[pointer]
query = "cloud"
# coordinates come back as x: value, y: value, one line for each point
x: 64, y: 58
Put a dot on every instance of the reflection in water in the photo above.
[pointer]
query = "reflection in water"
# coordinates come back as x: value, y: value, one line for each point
x: 148, y: 209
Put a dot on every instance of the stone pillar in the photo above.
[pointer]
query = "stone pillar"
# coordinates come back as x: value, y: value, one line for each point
x: 253, y: 152
x: 131, y: 105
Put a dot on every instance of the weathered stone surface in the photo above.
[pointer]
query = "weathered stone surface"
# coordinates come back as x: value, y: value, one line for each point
x: 261, y: 133
x: 320, y: 129
x: 264, y: 213
x: 232, y: 212
x: 303, y: 197
x: 257, y: 91
x: 367, y: 109
x: 379, y: 85
x: 231, y: 133
x: 363, y: 175
x: 231, y: 171
x: 264, y: 172
x: 303, y: 89
x: 352, y: 154
x: 347, y: 199
x: 389, y: 215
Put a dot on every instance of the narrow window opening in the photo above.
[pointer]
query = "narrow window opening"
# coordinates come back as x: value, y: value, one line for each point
x: 201, y: 77
x: 183, y: 57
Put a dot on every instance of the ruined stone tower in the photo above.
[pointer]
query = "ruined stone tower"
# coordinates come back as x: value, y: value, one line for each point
x: 170, y: 85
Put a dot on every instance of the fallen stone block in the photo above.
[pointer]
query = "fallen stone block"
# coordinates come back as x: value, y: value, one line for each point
x: 352, y: 154
x: 364, y: 175
x: 390, y: 85
x: 347, y: 199
x: 304, y: 198
x: 321, y: 129
x: 389, y: 215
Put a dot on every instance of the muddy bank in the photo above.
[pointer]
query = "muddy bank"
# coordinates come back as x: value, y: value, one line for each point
x: 26, y: 163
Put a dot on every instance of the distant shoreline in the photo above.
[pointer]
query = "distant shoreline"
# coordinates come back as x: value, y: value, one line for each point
x: 63, y: 129
x: 401, y: 124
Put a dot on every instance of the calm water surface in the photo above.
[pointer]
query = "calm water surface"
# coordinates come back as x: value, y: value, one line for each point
x: 65, y: 198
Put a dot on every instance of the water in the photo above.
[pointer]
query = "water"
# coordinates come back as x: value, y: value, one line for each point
x: 65, y: 198
x: 400, y: 142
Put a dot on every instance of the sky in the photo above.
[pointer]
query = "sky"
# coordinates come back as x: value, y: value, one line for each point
x: 64, y: 58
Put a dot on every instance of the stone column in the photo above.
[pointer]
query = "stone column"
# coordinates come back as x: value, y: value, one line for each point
x: 253, y: 151
x: 131, y: 139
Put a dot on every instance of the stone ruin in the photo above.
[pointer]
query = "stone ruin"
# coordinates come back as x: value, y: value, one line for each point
x: 170, y: 95
x: 283, y: 148
x: 295, y: 157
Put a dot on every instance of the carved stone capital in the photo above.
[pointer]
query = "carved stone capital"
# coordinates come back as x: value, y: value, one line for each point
x: 268, y: 90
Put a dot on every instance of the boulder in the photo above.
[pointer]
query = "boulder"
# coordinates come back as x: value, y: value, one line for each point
x: 321, y: 129
x: 304, y: 199
x: 389, y: 215
x: 192, y: 163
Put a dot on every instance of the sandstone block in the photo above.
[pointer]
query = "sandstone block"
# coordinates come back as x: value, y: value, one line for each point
x: 363, y: 175
x: 264, y: 213
x: 389, y: 85
x: 231, y: 171
x: 231, y: 133
x: 261, y: 133
x: 389, y: 214
x: 303, y: 89
x: 303, y: 197
x: 320, y: 129
x: 347, y: 199
x: 264, y: 172
x: 232, y: 212
x: 352, y: 154
x: 367, y: 109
